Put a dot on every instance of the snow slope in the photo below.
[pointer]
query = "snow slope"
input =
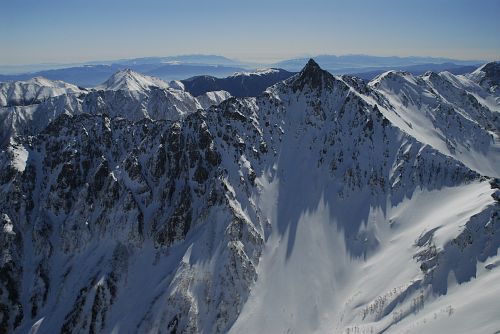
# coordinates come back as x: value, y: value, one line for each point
x: 131, y: 81
x: 36, y: 90
x: 319, y: 287
x: 212, y: 98
x: 440, y: 111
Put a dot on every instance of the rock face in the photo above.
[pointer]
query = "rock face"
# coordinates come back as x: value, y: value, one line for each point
x: 200, y: 222
x: 312, y: 76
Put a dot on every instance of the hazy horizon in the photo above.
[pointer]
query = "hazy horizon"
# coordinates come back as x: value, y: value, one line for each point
x: 62, y: 32
x: 237, y: 60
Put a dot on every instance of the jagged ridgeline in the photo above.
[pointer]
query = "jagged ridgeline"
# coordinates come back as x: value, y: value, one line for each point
x: 325, y: 204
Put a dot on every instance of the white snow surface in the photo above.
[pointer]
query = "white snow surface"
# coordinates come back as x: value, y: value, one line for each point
x: 132, y: 81
x: 33, y: 91
x: 318, y: 287
x: 212, y: 98
x: 450, y: 113
x: 176, y: 84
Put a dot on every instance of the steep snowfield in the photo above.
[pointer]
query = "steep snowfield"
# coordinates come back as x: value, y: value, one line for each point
x: 36, y: 90
x: 212, y: 98
x: 315, y: 207
x: 319, y: 287
x: 131, y: 81
x: 439, y: 111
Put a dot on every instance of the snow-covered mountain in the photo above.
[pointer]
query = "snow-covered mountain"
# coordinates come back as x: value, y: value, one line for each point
x: 33, y: 91
x: 326, y: 204
x: 132, y: 81
x: 125, y: 94
x: 90, y: 74
x: 451, y: 113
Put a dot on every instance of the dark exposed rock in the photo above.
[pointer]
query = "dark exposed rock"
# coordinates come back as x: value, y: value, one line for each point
x: 313, y: 76
x: 491, y: 73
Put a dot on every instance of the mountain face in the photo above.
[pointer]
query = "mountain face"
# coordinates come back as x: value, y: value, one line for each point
x: 33, y: 91
x: 239, y: 84
x: 487, y: 76
x: 324, y: 204
x: 451, y: 113
x: 212, y: 98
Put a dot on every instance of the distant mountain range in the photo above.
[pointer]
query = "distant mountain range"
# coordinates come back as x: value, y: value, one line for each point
x: 183, y: 67
x: 364, y: 63
x: 184, y: 59
x: 92, y: 75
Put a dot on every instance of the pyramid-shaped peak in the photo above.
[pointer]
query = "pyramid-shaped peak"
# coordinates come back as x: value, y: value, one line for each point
x: 312, y: 75
x: 312, y: 68
x: 312, y: 65
x: 131, y: 80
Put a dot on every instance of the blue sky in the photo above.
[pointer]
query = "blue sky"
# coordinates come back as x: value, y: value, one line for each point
x: 258, y: 30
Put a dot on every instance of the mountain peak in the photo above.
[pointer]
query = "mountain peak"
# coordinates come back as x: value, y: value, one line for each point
x: 128, y: 79
x: 311, y: 65
x: 312, y: 75
x: 312, y: 69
